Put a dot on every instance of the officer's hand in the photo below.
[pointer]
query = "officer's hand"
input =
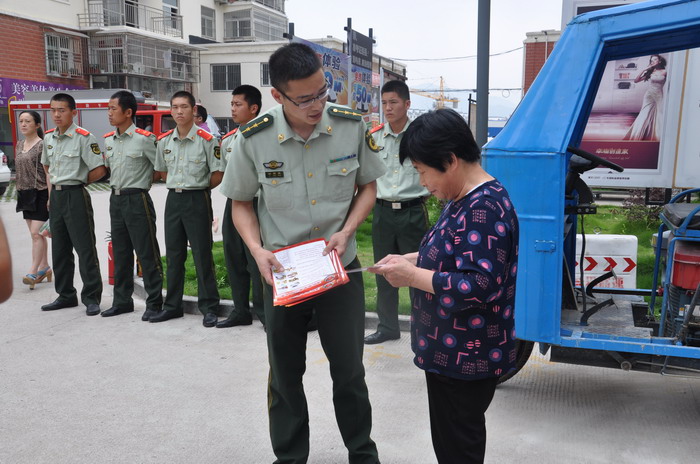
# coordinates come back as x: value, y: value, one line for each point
x: 396, y: 270
x: 266, y: 262
x: 338, y: 242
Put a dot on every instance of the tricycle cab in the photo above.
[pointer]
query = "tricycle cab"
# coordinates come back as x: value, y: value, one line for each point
x: 532, y: 156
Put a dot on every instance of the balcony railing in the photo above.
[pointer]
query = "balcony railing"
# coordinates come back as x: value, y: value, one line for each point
x: 133, y: 15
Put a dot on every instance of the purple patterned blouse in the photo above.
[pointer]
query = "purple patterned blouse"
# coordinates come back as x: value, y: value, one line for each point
x: 466, y: 329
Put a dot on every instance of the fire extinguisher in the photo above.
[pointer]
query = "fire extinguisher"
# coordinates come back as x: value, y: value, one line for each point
x: 110, y: 262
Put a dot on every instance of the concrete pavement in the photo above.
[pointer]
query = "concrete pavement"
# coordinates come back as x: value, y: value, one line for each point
x: 78, y: 389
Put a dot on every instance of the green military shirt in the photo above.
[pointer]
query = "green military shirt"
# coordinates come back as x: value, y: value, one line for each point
x: 307, y: 186
x: 401, y: 181
x: 71, y: 156
x: 227, y: 147
x: 189, y: 161
x: 131, y: 157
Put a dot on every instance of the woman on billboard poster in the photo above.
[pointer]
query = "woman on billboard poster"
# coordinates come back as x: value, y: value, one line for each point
x: 645, y: 125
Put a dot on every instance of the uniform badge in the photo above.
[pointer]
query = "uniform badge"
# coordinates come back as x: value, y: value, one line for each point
x: 166, y: 151
x: 50, y: 147
x: 217, y: 152
x: 371, y: 143
x: 95, y: 148
x: 273, y: 164
x: 109, y: 148
x: 275, y: 174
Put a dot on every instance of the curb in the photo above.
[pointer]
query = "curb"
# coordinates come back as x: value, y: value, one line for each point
x: 189, y: 306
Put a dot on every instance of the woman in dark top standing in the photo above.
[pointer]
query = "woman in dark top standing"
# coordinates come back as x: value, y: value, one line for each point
x: 462, y: 328
x: 30, y: 176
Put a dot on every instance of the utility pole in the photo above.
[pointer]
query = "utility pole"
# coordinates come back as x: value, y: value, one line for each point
x: 482, y: 72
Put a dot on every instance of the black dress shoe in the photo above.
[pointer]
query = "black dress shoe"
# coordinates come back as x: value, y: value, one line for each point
x: 93, y: 309
x: 379, y: 337
x: 148, y: 314
x: 234, y: 319
x: 114, y: 311
x: 209, y: 320
x: 59, y: 304
x: 162, y: 316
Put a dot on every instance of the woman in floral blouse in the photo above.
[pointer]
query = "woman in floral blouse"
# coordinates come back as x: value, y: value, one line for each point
x: 32, y: 193
x: 462, y: 328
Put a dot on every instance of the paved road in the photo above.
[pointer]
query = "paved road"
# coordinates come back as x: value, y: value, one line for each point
x: 77, y: 389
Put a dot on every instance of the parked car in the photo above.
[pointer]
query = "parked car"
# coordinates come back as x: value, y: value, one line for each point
x: 4, y: 173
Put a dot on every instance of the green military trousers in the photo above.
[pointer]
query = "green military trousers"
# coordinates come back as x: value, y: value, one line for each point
x: 241, y: 267
x: 341, y: 320
x: 394, y: 231
x: 188, y: 217
x: 73, y: 227
x: 133, y: 221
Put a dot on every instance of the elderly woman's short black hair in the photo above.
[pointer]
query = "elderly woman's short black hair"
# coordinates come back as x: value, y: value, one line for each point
x: 433, y: 137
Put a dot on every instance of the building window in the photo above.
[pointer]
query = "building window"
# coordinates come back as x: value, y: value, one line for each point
x: 274, y: 4
x: 63, y: 56
x: 170, y: 8
x: 208, y: 23
x: 237, y: 25
x: 265, y: 74
x: 225, y: 124
x: 268, y: 26
x: 225, y: 77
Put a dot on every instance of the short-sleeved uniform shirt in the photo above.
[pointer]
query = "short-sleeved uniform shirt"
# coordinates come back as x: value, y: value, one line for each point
x: 71, y: 156
x: 227, y: 147
x: 306, y: 186
x: 189, y: 161
x: 401, y: 181
x: 131, y: 157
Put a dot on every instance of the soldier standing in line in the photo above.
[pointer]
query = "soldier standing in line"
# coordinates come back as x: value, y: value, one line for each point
x: 400, y: 218
x: 72, y: 158
x: 246, y: 102
x: 130, y: 154
x: 314, y: 166
x: 189, y: 160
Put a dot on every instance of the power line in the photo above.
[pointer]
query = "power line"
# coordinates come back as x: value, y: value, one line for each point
x: 454, y: 58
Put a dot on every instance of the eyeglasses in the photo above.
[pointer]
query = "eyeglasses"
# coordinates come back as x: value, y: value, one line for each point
x: 308, y: 103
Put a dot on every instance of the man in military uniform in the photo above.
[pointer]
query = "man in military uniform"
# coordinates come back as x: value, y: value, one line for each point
x: 72, y: 158
x: 400, y: 218
x: 188, y: 158
x: 315, y: 170
x: 246, y: 102
x: 130, y: 154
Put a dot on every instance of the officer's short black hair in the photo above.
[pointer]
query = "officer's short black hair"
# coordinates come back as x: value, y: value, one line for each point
x: 251, y: 95
x: 292, y: 62
x: 184, y: 94
x: 399, y: 87
x: 202, y: 111
x: 433, y: 137
x: 126, y: 100
x: 64, y: 97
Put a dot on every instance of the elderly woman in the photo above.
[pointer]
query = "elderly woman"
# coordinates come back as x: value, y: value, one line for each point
x: 462, y: 330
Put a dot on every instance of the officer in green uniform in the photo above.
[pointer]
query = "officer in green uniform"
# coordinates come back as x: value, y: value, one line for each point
x: 313, y: 164
x: 72, y: 158
x: 188, y: 158
x: 243, y: 273
x: 400, y: 218
x: 130, y: 154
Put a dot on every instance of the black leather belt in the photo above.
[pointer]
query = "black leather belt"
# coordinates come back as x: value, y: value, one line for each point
x: 181, y: 190
x: 400, y: 204
x: 67, y: 187
x: 128, y: 191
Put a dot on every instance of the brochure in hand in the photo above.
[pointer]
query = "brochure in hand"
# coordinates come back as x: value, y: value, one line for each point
x: 306, y: 272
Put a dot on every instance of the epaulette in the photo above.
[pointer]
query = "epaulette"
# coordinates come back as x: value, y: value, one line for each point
x: 82, y: 131
x: 49, y: 131
x: 138, y: 130
x: 205, y: 135
x: 256, y: 125
x: 229, y: 134
x: 344, y: 112
x: 165, y: 134
x: 377, y: 129
x: 109, y: 134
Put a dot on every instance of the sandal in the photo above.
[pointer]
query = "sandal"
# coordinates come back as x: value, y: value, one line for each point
x: 45, y: 273
x: 29, y: 279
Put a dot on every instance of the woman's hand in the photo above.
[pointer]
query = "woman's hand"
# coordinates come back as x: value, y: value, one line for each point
x: 396, y: 269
